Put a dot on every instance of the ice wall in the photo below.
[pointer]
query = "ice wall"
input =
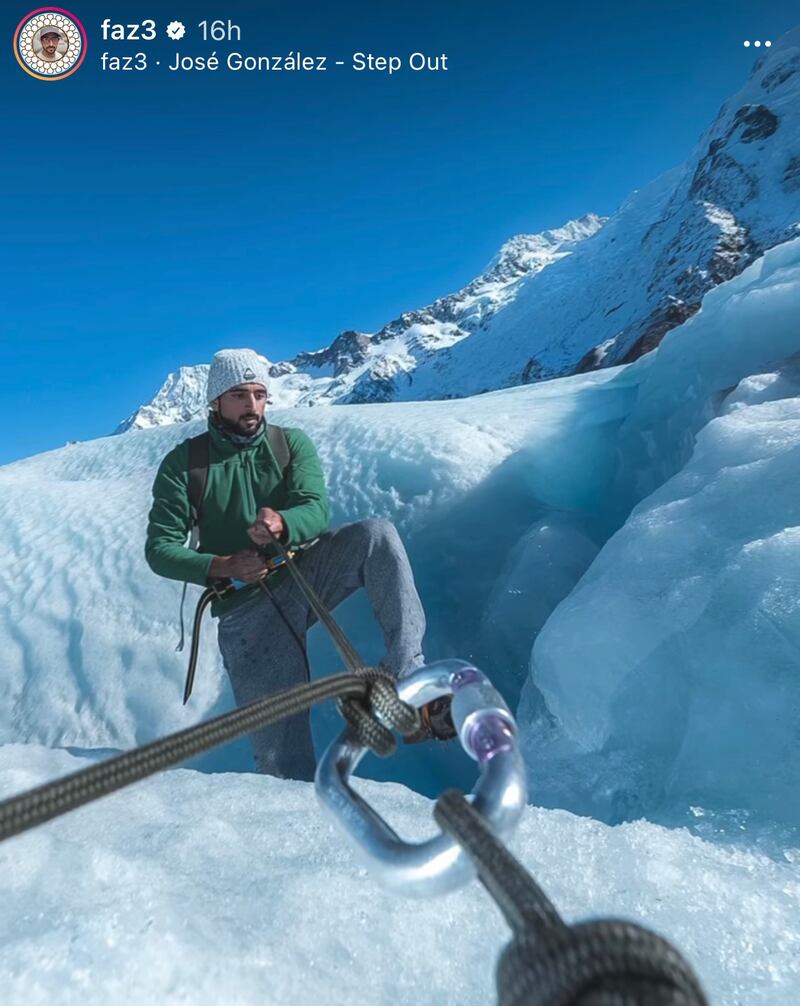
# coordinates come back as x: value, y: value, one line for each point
x: 747, y: 326
x: 673, y: 669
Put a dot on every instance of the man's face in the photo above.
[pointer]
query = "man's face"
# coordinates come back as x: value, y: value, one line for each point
x: 50, y: 43
x: 241, y: 409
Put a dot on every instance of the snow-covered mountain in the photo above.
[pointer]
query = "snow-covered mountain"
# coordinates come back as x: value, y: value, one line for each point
x: 645, y: 272
x: 360, y: 367
x: 182, y: 397
x: 591, y: 294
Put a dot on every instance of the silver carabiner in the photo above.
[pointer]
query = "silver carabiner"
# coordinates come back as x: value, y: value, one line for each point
x: 488, y: 734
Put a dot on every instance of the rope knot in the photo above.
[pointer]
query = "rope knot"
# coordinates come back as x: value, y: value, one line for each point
x: 598, y: 963
x: 381, y: 698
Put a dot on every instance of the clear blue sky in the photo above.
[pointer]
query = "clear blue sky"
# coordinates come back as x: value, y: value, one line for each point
x: 149, y: 219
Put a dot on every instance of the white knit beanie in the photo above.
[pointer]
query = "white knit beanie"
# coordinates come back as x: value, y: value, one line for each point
x: 235, y: 366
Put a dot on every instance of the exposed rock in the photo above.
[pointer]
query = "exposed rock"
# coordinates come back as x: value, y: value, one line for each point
x: 347, y: 351
x: 531, y: 372
x: 281, y: 369
x: 721, y: 179
x: 780, y: 74
x: 593, y: 360
x: 791, y: 176
x: 657, y: 325
x: 757, y: 122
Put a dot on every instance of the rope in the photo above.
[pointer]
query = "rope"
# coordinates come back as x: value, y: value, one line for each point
x: 359, y: 693
x: 369, y: 732
x: 601, y: 963
x: 348, y: 652
x: 606, y: 962
x: 27, y: 810
x: 385, y: 701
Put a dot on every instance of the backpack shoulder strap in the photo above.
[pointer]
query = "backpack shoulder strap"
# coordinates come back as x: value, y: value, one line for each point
x: 280, y: 446
x: 199, y: 448
x: 199, y: 454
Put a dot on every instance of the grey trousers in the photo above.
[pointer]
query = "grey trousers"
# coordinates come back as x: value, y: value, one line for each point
x: 264, y: 652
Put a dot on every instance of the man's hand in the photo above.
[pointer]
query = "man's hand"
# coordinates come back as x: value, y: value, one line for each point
x: 246, y: 565
x: 267, y: 520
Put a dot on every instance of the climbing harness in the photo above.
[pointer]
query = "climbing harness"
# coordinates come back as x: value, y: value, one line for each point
x: 218, y: 590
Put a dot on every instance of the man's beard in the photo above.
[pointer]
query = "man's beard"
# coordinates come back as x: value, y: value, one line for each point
x: 240, y: 426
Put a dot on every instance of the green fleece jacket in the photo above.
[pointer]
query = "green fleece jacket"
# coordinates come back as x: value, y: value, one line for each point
x: 241, y: 480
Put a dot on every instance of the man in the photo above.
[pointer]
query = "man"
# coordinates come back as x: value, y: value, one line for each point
x: 50, y: 38
x: 262, y: 634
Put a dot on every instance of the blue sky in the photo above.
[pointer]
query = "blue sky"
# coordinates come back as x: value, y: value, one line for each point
x: 149, y: 219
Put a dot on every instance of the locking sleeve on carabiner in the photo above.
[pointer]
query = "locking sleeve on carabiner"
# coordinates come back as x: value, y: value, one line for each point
x: 488, y: 734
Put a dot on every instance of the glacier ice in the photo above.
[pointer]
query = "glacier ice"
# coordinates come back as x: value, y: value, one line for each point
x: 508, y: 491
x: 672, y: 669
x: 650, y: 515
x: 235, y: 888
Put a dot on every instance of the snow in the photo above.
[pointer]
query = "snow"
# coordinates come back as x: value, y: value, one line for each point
x: 666, y: 245
x: 236, y: 889
x: 181, y: 397
x: 97, y: 613
x: 618, y: 551
x: 394, y: 352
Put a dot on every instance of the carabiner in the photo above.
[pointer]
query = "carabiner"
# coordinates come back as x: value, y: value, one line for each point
x: 488, y: 734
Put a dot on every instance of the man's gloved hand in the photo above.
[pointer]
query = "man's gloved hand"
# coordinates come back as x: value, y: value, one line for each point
x: 437, y: 722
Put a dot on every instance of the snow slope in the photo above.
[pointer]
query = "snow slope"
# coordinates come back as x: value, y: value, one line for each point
x: 89, y: 632
x: 237, y: 890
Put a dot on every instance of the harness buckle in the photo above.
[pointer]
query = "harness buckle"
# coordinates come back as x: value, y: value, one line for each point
x: 276, y: 561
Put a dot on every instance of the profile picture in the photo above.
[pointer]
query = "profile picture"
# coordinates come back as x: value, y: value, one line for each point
x: 50, y: 44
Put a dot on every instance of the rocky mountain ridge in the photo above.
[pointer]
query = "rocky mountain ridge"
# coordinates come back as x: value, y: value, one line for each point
x: 596, y: 292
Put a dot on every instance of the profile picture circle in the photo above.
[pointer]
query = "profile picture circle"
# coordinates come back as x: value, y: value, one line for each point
x: 50, y: 43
